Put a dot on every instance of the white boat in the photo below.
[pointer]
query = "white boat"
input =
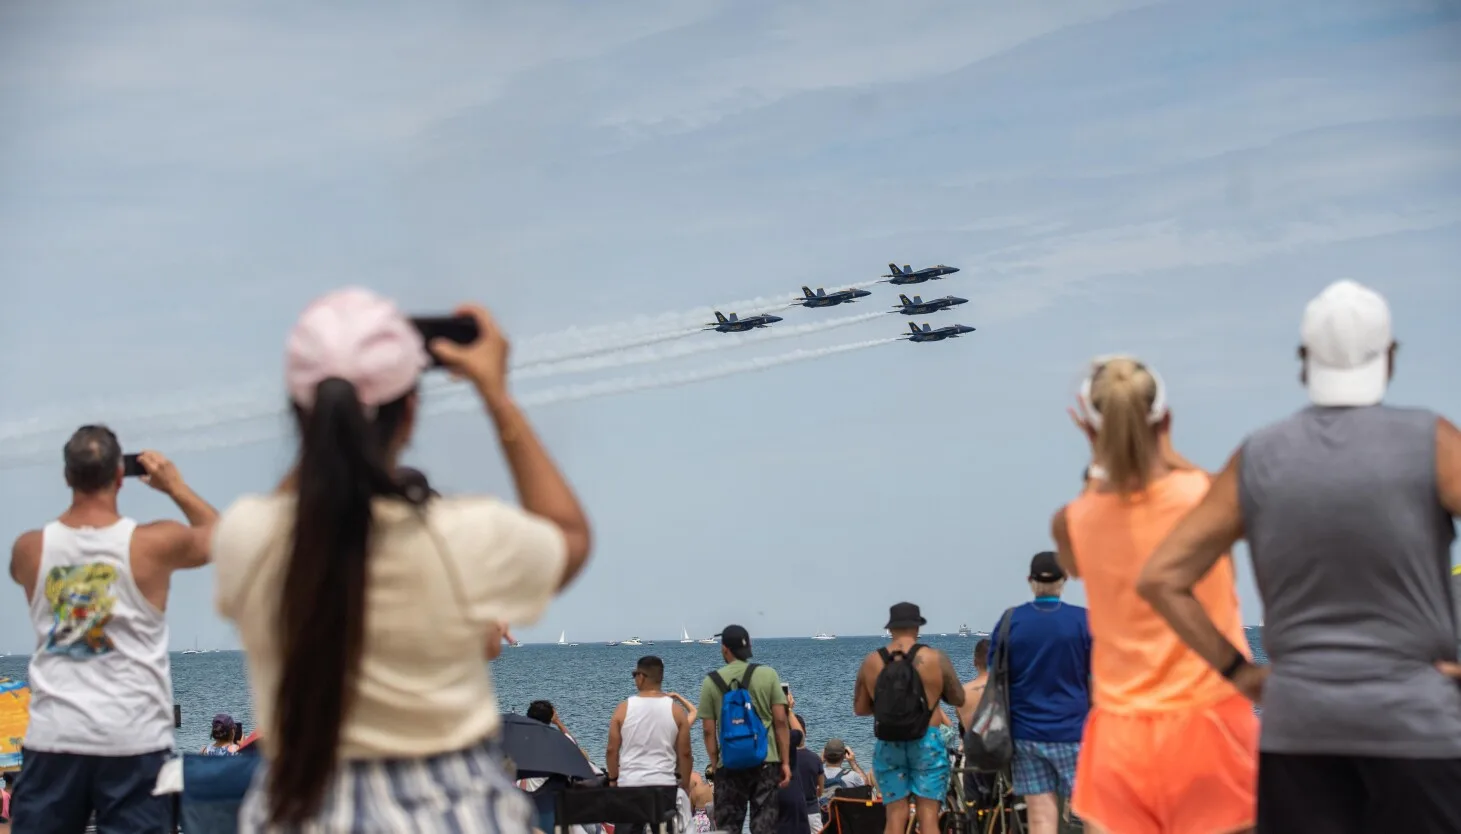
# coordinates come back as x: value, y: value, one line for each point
x: 685, y: 635
x: 887, y: 634
x: 562, y: 639
x: 822, y: 635
x: 707, y: 641
x: 194, y: 649
x: 632, y: 641
x: 963, y: 629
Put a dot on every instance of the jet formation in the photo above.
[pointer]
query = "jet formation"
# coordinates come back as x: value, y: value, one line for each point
x: 915, y: 306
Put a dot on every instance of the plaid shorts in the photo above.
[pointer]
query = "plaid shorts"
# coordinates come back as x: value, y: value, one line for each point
x: 1045, y: 767
x: 463, y: 791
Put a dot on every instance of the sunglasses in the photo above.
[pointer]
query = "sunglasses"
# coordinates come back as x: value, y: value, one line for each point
x: 636, y: 674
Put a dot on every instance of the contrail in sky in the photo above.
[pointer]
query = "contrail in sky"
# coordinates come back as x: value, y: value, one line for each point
x: 625, y: 385
x: 547, y: 396
x: 246, y: 403
x: 714, y: 342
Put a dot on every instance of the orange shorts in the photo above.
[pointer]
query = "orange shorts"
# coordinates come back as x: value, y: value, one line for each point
x: 1182, y: 772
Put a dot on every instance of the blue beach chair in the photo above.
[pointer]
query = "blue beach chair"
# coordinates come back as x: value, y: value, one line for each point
x: 213, y: 791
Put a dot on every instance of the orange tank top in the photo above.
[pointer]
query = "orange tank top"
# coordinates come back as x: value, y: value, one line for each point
x: 1138, y: 664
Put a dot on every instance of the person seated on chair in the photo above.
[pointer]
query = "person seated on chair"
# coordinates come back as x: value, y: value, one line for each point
x: 222, y: 737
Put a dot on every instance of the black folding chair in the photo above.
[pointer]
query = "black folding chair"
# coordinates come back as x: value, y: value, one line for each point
x: 631, y: 807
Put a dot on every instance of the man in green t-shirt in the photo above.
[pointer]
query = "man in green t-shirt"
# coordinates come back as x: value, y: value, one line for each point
x: 757, y: 786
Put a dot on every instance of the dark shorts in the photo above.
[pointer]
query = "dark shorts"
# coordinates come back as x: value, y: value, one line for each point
x: 1357, y: 794
x: 56, y: 793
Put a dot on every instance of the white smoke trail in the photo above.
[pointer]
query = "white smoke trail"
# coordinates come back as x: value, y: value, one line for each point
x: 563, y: 356
x: 261, y: 399
x: 625, y: 385
x: 548, y: 396
x: 718, y: 341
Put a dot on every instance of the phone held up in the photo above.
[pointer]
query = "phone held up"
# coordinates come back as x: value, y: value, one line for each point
x: 462, y: 330
x: 131, y: 467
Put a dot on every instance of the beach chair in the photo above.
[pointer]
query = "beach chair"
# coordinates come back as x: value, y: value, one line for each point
x: 629, y: 807
x: 213, y: 792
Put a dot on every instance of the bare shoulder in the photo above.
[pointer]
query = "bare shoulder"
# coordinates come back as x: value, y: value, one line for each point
x: 28, y: 544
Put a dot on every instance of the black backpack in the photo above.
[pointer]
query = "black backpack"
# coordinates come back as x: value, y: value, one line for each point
x: 989, y: 746
x: 900, y: 703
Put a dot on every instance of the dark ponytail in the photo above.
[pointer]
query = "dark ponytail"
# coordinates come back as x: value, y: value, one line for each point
x: 343, y: 466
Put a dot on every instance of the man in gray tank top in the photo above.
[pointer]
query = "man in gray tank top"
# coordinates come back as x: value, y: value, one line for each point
x: 1348, y: 508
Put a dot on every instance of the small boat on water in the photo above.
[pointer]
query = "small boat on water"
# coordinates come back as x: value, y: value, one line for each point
x: 822, y: 635
x: 634, y: 641
x: 707, y: 641
x: 685, y: 635
x: 612, y: 643
x: 963, y: 629
x: 194, y: 649
x: 562, y: 641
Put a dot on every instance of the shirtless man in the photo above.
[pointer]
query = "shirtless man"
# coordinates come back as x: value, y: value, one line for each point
x: 974, y: 689
x: 918, y: 768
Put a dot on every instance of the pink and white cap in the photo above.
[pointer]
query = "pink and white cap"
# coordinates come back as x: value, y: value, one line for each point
x: 357, y: 336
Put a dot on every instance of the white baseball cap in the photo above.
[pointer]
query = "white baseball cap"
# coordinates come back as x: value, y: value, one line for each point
x: 1347, y: 338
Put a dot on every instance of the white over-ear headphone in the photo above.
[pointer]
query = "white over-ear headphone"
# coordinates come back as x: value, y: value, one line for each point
x: 1159, y: 401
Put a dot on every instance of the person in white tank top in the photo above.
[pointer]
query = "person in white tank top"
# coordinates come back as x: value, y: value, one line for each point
x: 649, y: 738
x: 101, y: 720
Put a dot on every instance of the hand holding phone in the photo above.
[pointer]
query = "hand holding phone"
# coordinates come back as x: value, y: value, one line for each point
x: 132, y: 467
x: 476, y: 351
x: 459, y: 330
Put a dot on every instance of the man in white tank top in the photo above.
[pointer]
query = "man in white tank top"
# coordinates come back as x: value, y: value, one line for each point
x: 101, y: 720
x: 649, y: 738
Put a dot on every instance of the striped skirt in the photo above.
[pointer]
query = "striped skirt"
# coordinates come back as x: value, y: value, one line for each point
x: 465, y: 792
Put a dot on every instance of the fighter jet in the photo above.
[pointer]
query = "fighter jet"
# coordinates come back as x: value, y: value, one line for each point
x: 821, y: 298
x: 737, y: 325
x: 919, y: 307
x: 953, y: 331
x: 908, y: 275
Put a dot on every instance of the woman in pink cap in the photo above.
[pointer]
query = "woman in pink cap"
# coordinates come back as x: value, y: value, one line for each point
x: 366, y: 607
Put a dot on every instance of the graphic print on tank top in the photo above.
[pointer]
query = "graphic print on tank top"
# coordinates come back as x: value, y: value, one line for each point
x: 81, y: 600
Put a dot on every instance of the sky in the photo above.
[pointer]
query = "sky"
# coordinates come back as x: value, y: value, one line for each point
x: 1173, y: 179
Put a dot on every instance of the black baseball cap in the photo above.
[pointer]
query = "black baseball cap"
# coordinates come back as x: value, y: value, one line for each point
x: 1044, y: 567
x: 737, y: 640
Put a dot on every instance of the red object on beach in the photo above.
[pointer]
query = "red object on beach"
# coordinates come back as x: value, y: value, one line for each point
x: 249, y: 739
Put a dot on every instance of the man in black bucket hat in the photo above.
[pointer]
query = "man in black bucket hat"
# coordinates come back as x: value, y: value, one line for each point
x: 901, y: 686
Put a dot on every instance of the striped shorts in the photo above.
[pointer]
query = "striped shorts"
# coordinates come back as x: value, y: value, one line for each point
x: 464, y: 792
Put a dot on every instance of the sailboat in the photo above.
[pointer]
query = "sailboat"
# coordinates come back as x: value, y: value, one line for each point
x: 562, y: 639
x: 685, y: 635
x: 194, y: 649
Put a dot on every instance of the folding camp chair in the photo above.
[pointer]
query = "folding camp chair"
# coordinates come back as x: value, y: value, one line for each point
x: 630, y: 807
x: 855, y: 816
x: 213, y: 792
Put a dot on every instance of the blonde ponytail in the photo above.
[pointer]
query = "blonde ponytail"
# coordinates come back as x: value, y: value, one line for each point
x: 1123, y: 392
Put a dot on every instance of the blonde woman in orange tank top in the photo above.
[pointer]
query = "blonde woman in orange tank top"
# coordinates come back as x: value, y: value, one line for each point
x: 1170, y: 746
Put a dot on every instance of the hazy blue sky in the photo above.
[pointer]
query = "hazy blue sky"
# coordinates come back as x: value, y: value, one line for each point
x: 1175, y: 179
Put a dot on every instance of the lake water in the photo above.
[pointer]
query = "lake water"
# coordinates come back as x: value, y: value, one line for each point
x: 586, y: 682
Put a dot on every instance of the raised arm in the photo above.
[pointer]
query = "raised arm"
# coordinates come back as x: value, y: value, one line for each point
x: 177, y: 546
x: 1064, y: 554
x: 1207, y: 532
x: 541, y: 487
x: 783, y: 741
x: 1448, y: 465
x: 690, y: 709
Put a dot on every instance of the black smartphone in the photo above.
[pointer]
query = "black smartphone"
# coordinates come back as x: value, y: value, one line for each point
x: 237, y: 733
x: 786, y: 689
x: 462, y: 330
x: 131, y: 467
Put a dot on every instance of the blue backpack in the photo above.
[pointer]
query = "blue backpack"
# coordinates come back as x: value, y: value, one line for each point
x: 741, y: 731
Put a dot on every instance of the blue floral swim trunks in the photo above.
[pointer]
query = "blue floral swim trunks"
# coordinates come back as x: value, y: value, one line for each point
x: 918, y: 767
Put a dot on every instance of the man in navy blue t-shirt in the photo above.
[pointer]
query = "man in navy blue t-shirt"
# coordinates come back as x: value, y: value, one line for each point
x: 1050, y: 692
